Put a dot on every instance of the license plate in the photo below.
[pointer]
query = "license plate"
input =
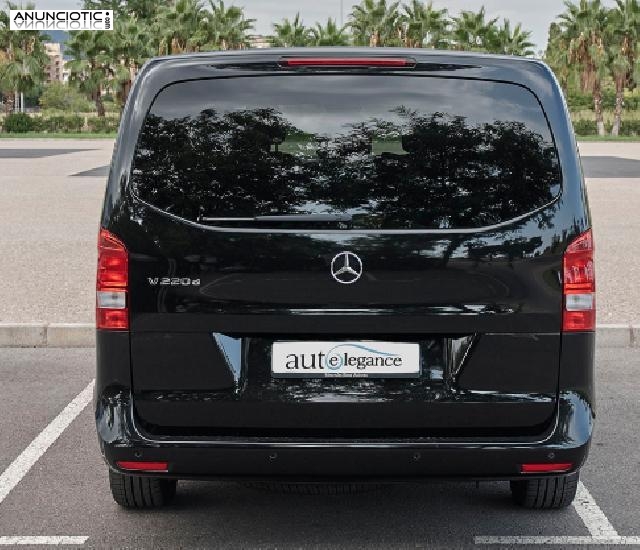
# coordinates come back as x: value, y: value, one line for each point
x: 345, y: 359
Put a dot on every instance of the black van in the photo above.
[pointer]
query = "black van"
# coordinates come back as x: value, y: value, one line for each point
x: 341, y: 266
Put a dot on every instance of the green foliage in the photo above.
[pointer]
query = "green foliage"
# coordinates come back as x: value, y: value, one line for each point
x: 131, y: 45
x: 18, y: 123
x: 424, y: 25
x: 585, y: 127
x: 59, y: 123
x: 58, y: 95
x: 593, y: 48
x: 103, y: 125
x: 32, y: 96
x: 91, y: 64
x: 111, y: 106
x: 22, y: 57
x: 290, y: 34
x: 375, y: 23
x: 471, y: 30
x: 187, y: 26
x: 504, y: 40
x: 177, y: 25
x: 418, y: 24
x: 224, y: 28
x: 578, y: 101
x: 630, y: 128
x: 329, y: 35
x: 142, y: 9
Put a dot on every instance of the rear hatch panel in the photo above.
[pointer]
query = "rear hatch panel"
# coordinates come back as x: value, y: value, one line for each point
x: 448, y: 398
x: 244, y: 191
x: 488, y: 329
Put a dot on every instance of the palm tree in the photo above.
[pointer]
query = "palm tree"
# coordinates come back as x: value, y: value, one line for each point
x: 471, y: 30
x: 424, y: 25
x: 557, y: 56
x: 7, y: 88
x: 178, y: 26
x: 505, y: 41
x: 144, y: 10
x: 91, y: 64
x: 131, y: 47
x: 623, y: 56
x: 329, y: 35
x: 585, y: 25
x: 374, y: 23
x: 226, y: 28
x: 23, y: 58
x: 289, y: 34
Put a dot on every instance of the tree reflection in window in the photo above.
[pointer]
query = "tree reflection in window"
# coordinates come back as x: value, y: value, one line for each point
x: 411, y: 171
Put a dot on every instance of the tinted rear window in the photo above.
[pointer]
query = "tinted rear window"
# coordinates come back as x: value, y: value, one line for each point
x: 383, y: 151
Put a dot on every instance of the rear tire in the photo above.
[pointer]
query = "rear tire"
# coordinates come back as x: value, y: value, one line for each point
x: 549, y: 493
x: 141, y: 492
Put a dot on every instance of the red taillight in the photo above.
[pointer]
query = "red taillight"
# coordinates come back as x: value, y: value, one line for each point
x: 546, y: 468
x: 112, y: 281
x: 143, y: 465
x: 579, y: 285
x: 347, y: 62
x: 114, y: 319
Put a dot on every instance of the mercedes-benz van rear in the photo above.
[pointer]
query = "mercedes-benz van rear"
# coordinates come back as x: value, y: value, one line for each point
x: 344, y: 266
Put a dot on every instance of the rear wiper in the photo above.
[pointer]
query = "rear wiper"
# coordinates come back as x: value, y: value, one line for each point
x: 305, y: 218
x: 344, y: 218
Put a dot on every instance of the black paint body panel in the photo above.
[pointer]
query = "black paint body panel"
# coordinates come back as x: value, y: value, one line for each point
x: 500, y: 383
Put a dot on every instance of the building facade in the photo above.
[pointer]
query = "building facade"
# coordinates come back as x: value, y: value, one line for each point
x: 258, y: 41
x: 55, y: 70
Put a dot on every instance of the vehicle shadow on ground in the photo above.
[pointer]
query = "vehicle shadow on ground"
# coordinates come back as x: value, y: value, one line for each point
x: 393, y: 514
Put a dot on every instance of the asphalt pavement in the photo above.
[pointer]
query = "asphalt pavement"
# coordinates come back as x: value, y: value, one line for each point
x: 596, y: 166
x: 65, y: 492
x: 48, y: 228
x: 53, y: 483
x: 52, y: 192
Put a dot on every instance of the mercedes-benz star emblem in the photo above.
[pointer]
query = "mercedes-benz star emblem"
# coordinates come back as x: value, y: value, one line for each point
x: 346, y: 268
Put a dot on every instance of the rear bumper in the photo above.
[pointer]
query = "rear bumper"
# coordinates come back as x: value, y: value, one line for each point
x: 314, y: 459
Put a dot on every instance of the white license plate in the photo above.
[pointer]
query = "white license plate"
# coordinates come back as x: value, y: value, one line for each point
x: 345, y: 359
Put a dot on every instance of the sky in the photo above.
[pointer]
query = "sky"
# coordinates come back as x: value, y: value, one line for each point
x: 535, y: 15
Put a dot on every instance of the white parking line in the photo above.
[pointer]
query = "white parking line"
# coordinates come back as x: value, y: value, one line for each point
x: 560, y: 541
x: 600, y: 528
x: 42, y: 540
x: 598, y: 525
x: 27, y: 458
x: 591, y: 514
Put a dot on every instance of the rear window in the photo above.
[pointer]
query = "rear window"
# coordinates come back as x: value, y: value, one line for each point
x: 348, y: 151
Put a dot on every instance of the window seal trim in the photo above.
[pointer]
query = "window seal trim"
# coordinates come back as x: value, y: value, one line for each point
x: 306, y: 231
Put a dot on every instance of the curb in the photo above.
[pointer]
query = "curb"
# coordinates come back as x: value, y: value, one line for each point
x: 47, y: 335
x: 618, y: 336
x: 83, y: 335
